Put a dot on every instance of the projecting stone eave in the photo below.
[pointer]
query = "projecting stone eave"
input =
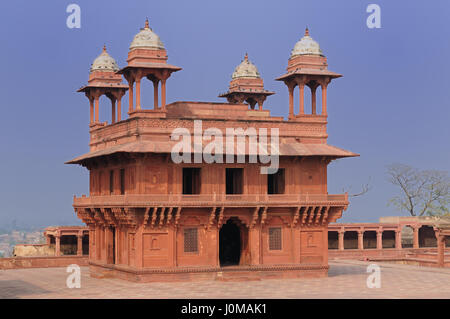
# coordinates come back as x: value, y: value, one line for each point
x: 165, y: 147
x: 305, y: 71
x: 103, y: 86
x: 248, y: 92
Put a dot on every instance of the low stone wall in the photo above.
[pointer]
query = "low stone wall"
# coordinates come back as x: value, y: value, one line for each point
x: 363, y: 254
x: 42, y: 262
x: 33, y: 250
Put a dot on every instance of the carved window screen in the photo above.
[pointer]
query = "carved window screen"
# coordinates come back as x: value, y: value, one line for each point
x: 190, y: 240
x: 275, y: 238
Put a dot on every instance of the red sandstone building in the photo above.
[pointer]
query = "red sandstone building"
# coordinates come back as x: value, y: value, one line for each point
x: 153, y: 219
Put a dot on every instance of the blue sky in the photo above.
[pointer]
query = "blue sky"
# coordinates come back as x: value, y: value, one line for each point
x: 392, y: 105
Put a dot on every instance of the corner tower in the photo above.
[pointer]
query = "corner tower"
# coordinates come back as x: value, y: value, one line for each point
x: 147, y: 58
x: 308, y: 66
x: 103, y: 80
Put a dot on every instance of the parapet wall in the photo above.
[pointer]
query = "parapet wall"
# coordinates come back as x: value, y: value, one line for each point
x: 42, y: 262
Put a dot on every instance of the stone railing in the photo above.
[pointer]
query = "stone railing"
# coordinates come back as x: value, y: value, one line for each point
x: 145, y: 200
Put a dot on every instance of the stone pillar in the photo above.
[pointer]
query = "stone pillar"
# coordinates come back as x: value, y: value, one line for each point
x: 379, y: 239
x: 341, y: 239
x: 130, y: 96
x: 119, y: 109
x: 301, y: 97
x: 80, y: 244
x: 113, y: 110
x: 57, y: 245
x: 155, y: 94
x: 416, y: 237
x: 313, y: 99
x: 440, y: 249
x: 138, y: 93
x: 291, y: 101
x: 398, y: 239
x: 91, y: 104
x: 324, y: 99
x: 163, y: 94
x: 96, y: 109
x: 360, y: 239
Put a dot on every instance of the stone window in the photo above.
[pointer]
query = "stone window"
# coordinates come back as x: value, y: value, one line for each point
x: 275, y: 238
x: 191, y: 180
x: 234, y: 180
x: 275, y: 182
x: 190, y: 240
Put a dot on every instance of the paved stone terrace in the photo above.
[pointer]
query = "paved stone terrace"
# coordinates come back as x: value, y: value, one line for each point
x: 347, y: 279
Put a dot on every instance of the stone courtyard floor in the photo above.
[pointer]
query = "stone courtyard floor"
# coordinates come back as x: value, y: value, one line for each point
x: 347, y: 279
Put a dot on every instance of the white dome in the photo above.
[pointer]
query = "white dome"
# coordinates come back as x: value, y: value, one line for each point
x: 146, y: 38
x: 246, y: 70
x: 306, y: 45
x: 104, y: 62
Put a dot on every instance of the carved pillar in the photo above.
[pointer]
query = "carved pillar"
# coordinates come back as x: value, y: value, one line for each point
x: 138, y: 93
x: 163, y: 94
x: 58, y: 245
x: 91, y: 104
x: 113, y: 110
x: 379, y: 239
x: 291, y: 100
x: 96, y: 108
x: 416, y: 236
x: 324, y: 85
x: 155, y: 94
x: 360, y: 239
x: 301, y: 89
x: 398, y: 239
x: 130, y: 94
x: 341, y: 239
x: 80, y: 244
x: 119, y: 109
x: 313, y: 99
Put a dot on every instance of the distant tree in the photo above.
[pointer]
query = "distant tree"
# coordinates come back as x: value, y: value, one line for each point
x: 422, y: 192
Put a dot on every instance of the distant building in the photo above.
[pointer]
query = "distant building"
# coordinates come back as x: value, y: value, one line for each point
x: 60, y: 241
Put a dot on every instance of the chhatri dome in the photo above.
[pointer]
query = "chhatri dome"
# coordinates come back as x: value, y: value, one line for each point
x: 104, y: 62
x: 146, y: 39
x: 246, y: 70
x: 305, y: 46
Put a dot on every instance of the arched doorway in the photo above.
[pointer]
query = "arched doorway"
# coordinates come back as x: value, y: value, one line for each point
x: 229, y: 244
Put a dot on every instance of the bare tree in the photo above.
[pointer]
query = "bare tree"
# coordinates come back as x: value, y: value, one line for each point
x: 422, y: 191
x: 364, y: 189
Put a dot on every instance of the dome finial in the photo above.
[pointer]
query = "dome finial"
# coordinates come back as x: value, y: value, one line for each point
x: 306, y: 32
x: 104, y: 48
x: 146, y: 23
x: 246, y: 56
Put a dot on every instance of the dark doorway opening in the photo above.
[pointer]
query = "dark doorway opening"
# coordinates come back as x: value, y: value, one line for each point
x: 427, y: 237
x: 191, y: 181
x: 234, y: 180
x: 229, y: 244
